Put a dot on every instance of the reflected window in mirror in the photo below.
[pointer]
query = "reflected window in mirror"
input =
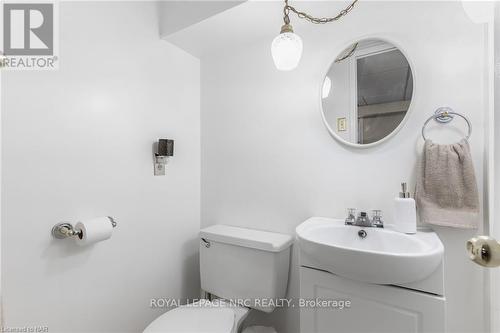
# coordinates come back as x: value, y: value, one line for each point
x: 367, y: 92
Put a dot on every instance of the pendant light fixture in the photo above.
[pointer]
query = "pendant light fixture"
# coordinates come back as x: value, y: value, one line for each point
x: 286, y: 48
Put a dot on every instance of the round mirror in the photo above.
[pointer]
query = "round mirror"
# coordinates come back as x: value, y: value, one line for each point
x: 366, y: 93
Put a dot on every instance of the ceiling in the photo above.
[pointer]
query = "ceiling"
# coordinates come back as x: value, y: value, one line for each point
x: 246, y: 23
x: 180, y: 14
x: 384, y: 78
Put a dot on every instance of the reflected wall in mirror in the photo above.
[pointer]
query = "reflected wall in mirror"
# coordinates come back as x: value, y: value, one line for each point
x: 367, y: 92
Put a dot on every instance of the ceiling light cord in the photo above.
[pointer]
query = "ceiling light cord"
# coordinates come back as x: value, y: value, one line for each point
x: 315, y: 20
x: 286, y: 12
x: 286, y: 48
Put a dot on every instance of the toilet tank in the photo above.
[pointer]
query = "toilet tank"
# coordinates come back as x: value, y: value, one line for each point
x: 246, y: 266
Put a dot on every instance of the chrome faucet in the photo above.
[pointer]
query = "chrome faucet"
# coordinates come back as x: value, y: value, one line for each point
x: 363, y: 220
x: 351, y: 216
x: 377, y: 218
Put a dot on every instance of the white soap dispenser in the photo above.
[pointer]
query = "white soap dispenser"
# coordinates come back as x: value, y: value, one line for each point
x: 405, y: 212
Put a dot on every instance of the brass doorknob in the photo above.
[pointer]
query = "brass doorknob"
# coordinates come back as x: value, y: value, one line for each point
x: 484, y: 251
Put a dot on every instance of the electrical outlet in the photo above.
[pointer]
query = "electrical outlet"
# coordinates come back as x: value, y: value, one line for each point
x: 341, y: 124
x: 159, y: 169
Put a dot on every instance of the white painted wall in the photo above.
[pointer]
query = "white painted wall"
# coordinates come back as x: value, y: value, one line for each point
x: 176, y: 15
x: 77, y: 143
x: 269, y: 163
x: 495, y: 224
x: 341, y: 102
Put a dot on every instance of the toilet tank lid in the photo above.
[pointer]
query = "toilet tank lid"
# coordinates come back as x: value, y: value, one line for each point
x: 256, y: 239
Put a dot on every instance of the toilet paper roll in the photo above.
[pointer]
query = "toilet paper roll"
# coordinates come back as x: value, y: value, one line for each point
x: 94, y: 230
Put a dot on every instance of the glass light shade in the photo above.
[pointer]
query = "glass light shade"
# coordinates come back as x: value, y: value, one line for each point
x: 327, y: 86
x: 286, y: 49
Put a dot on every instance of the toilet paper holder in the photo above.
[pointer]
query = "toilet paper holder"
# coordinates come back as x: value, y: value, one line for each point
x: 65, y: 229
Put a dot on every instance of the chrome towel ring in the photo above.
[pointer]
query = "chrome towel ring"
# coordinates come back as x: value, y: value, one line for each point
x: 444, y: 115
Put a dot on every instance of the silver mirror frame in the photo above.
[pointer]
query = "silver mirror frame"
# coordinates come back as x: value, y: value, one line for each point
x: 410, y: 108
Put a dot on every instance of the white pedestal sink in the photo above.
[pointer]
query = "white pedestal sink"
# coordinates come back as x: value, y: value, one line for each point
x: 382, y: 257
x: 393, y: 282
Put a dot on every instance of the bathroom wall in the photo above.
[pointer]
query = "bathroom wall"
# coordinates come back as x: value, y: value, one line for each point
x: 495, y: 230
x: 77, y: 143
x: 340, y: 101
x: 269, y: 163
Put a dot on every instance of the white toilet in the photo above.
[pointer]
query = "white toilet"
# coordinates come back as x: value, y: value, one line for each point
x: 241, y: 269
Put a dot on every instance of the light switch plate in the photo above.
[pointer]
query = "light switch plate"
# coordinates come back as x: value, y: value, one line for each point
x: 341, y: 124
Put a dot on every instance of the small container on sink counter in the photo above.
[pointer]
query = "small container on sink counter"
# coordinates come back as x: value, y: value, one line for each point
x: 405, y: 212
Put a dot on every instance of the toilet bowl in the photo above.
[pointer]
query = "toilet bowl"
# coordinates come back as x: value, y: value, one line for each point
x: 203, y: 316
x: 237, y: 266
x: 259, y: 329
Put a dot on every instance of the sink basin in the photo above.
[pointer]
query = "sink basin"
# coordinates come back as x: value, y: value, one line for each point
x: 384, y: 256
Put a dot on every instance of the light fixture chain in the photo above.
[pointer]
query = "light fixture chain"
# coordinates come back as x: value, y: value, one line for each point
x: 286, y: 11
x: 316, y: 20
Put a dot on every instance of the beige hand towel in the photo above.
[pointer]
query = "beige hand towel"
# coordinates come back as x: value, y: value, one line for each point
x: 446, y: 192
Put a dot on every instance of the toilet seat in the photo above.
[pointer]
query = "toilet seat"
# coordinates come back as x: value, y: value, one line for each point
x: 200, y: 317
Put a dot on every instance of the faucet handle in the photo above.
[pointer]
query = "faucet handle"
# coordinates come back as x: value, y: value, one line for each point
x: 377, y: 218
x: 351, y: 216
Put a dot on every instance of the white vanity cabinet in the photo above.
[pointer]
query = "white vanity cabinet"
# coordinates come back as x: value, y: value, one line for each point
x: 372, y: 308
x: 393, y: 281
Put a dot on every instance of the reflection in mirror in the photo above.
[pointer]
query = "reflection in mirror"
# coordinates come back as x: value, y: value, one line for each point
x: 367, y: 91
